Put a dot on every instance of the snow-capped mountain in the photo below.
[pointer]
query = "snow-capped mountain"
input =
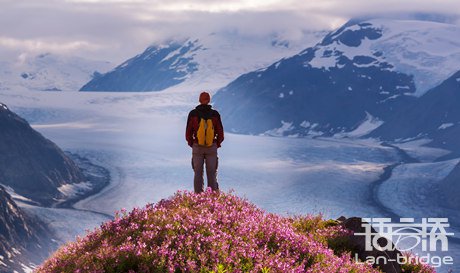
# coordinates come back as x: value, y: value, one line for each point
x: 358, y: 76
x: 428, y: 51
x: 435, y: 115
x: 207, y: 62
x: 49, y: 72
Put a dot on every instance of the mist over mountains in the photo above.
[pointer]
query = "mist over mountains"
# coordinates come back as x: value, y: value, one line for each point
x: 48, y: 72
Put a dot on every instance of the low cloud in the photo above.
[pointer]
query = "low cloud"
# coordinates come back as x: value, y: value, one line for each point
x: 38, y: 45
x: 118, y: 29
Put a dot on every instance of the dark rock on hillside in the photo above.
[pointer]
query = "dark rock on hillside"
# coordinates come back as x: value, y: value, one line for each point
x: 322, y: 90
x: 435, y: 115
x: 358, y: 243
x: 157, y: 68
x: 23, y: 239
x: 30, y: 164
x: 352, y: 38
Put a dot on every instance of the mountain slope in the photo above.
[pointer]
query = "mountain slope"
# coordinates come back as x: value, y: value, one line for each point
x: 21, y: 237
x: 435, y: 115
x: 360, y: 74
x: 449, y: 189
x: 209, y: 61
x: 48, y: 72
x: 31, y: 165
x: 157, y: 68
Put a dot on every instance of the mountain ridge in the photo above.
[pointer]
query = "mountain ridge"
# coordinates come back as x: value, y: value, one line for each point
x: 208, y: 61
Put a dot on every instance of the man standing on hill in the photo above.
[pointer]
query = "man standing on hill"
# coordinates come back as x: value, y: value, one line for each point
x: 204, y: 133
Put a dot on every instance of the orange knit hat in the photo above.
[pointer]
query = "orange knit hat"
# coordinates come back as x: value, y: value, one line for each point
x: 205, y: 98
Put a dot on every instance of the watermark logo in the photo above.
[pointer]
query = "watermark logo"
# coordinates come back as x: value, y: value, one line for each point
x: 384, y: 235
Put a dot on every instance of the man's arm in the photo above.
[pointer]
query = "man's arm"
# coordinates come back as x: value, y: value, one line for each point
x: 189, y: 130
x: 219, y: 130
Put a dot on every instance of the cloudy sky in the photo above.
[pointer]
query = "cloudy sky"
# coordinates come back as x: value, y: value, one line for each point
x: 118, y: 29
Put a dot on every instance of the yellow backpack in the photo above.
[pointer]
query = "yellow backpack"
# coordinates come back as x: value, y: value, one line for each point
x: 205, y: 134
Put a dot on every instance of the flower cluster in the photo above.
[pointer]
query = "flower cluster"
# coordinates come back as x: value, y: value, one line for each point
x: 207, y: 232
x: 413, y: 264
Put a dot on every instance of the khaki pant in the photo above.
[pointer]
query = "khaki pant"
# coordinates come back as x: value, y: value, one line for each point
x: 205, y: 155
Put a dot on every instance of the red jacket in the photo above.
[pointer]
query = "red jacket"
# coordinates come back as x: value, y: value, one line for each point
x: 193, y: 121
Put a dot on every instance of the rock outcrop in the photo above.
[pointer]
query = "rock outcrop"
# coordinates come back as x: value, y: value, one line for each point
x: 358, y: 244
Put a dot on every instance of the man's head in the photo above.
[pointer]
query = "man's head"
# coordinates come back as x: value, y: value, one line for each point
x: 205, y: 98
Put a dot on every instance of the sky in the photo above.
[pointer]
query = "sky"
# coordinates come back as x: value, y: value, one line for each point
x: 114, y: 30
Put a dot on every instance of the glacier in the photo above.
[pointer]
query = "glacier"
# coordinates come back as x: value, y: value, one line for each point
x: 139, y: 138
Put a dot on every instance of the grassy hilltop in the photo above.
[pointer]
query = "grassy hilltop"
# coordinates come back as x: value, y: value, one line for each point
x: 210, y: 232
